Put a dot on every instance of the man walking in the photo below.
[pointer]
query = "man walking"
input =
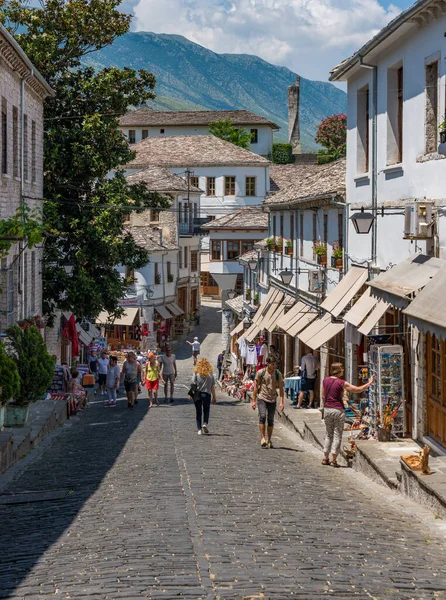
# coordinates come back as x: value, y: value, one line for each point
x: 267, y: 383
x: 168, y: 367
x: 103, y: 363
x: 308, y: 370
x: 220, y: 359
x: 195, y: 348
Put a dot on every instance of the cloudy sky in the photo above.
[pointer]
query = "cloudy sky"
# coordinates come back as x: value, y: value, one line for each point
x: 308, y: 36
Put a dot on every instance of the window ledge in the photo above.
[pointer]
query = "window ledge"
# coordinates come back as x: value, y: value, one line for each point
x: 433, y: 155
x: 362, y: 178
x: 397, y: 168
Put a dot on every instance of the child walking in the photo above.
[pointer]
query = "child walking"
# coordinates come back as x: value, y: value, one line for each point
x: 112, y: 382
x: 153, y: 378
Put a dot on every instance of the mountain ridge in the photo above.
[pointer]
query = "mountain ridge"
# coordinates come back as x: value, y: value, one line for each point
x: 191, y: 77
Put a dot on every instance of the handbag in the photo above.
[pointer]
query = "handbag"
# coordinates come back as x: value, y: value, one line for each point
x: 193, y: 390
x: 303, y: 378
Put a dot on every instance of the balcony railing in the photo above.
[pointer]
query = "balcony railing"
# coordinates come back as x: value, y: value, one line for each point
x: 193, y: 227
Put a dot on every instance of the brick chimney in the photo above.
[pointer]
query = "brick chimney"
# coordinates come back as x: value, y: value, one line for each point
x: 293, y: 116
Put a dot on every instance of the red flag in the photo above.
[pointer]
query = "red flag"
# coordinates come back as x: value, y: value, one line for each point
x: 70, y: 333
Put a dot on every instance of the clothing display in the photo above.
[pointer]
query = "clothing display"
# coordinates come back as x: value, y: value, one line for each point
x: 251, y: 355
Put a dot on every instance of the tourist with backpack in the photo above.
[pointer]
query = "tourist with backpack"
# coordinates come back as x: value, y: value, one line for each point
x: 267, y: 383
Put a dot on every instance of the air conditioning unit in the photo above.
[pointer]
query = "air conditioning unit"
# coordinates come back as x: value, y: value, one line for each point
x: 316, y: 281
x: 418, y: 223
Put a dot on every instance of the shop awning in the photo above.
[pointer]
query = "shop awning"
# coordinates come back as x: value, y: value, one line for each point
x: 175, y: 309
x: 255, y: 328
x: 427, y: 311
x: 274, y: 306
x: 398, y: 285
x: 361, y: 309
x: 238, y: 329
x: 374, y: 317
x: 163, y: 312
x: 127, y: 318
x: 345, y: 291
x: 280, y: 313
x: 320, y: 332
x: 302, y: 320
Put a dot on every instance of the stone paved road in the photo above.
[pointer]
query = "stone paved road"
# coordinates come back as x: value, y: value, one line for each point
x: 148, y: 509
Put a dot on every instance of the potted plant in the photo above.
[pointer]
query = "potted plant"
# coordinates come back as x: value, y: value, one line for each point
x: 288, y: 246
x: 256, y: 299
x: 35, y: 367
x: 157, y: 279
x: 9, y: 382
x: 442, y: 128
x: 320, y: 250
x: 270, y: 242
x: 279, y: 244
x: 169, y: 278
x: 337, y: 256
x: 248, y: 293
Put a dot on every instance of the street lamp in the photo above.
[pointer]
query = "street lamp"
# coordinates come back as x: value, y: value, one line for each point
x: 231, y: 294
x: 286, y: 277
x: 252, y: 264
x: 362, y: 221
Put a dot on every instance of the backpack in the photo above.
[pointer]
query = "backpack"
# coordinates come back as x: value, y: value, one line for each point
x: 262, y: 375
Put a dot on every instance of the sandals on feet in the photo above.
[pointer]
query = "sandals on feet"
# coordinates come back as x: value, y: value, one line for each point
x: 325, y: 461
x: 334, y: 463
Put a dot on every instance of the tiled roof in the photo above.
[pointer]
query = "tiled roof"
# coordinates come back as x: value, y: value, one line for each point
x: 312, y: 182
x: 245, y: 218
x: 250, y: 255
x: 160, y: 179
x: 191, y: 150
x: 281, y: 176
x: 149, y: 237
x: 236, y: 304
x: 146, y: 117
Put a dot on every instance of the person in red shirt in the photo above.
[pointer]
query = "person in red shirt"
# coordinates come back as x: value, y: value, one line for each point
x: 334, y: 411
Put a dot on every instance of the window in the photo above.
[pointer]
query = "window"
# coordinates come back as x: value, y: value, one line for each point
x: 157, y: 273
x: 394, y: 115
x: 194, y: 261
x: 247, y: 246
x: 25, y: 146
x: 132, y: 136
x: 254, y: 136
x: 155, y: 216
x: 161, y: 130
x: 195, y: 210
x: 250, y: 186
x: 169, y: 269
x: 216, y: 250
x: 185, y: 261
x: 194, y: 181
x: 341, y: 230
x: 325, y: 228
x: 274, y: 225
x: 292, y: 227
x: 239, y: 284
x: 180, y: 259
x: 233, y: 249
x: 4, y: 138
x: 33, y: 151
x: 229, y: 186
x: 211, y: 217
x: 145, y: 134
x: 15, y: 142
x: 314, y: 227
x: 301, y: 233
x: 210, y: 186
x: 362, y: 118
x: 431, y: 122
x: 281, y: 226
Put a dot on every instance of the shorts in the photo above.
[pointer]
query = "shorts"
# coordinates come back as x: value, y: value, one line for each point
x: 308, y: 385
x: 131, y: 386
x: 153, y: 385
x: 170, y: 377
x: 266, y: 409
x: 102, y: 378
x: 195, y: 353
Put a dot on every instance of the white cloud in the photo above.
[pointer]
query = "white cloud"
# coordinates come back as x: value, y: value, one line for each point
x: 308, y: 36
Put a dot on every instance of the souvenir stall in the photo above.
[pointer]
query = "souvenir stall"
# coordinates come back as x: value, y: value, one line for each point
x: 123, y: 333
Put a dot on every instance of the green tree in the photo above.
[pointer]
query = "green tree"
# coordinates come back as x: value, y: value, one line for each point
x: 34, y: 364
x: 225, y: 130
x: 84, y: 208
x: 9, y: 376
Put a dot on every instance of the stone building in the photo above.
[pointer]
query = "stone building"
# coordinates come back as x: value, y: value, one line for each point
x: 23, y: 91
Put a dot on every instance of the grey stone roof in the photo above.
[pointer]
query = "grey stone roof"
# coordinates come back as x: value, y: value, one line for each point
x: 311, y: 182
x: 191, y: 150
x: 155, y: 237
x: 160, y: 179
x: 236, y: 304
x: 250, y: 255
x: 245, y: 218
x: 146, y: 117
x: 281, y: 176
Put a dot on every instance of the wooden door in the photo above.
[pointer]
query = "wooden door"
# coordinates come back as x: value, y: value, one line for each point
x: 182, y: 299
x: 436, y: 389
x: 193, y: 300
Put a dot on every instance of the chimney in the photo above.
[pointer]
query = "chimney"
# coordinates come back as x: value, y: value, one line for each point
x: 293, y: 116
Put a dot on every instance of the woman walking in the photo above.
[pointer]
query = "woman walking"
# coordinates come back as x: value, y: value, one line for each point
x: 153, y: 377
x: 334, y: 412
x: 129, y: 374
x: 204, y: 380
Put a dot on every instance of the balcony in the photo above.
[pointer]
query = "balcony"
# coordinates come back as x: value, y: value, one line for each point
x: 193, y: 227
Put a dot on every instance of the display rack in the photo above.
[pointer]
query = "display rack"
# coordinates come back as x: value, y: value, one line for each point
x: 386, y: 363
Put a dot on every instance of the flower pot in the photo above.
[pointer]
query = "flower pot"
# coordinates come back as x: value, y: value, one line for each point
x: 337, y: 263
x: 16, y: 416
x: 273, y: 247
x: 321, y: 259
x: 443, y: 137
x: 279, y: 249
x: 289, y: 250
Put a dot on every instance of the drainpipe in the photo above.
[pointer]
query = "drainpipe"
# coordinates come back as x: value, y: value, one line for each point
x: 374, y: 68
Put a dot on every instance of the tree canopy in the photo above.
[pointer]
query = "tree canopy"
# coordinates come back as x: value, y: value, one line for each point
x: 225, y: 130
x: 84, y: 205
x: 332, y: 135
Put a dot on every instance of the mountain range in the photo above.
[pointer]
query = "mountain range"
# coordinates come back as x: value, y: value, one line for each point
x: 191, y: 77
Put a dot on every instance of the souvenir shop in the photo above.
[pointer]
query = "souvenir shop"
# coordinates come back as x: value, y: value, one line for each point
x: 126, y: 332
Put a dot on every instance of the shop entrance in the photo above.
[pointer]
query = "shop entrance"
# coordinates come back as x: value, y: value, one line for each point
x: 193, y: 300
x: 436, y: 389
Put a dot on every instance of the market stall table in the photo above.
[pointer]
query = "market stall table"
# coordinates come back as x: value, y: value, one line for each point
x: 293, y: 384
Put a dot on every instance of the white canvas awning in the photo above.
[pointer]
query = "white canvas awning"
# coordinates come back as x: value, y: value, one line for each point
x: 175, y: 309
x: 427, y: 311
x: 320, y: 332
x: 361, y: 309
x: 163, y: 312
x: 237, y: 329
x: 274, y: 306
x: 254, y: 330
x: 345, y: 291
x: 280, y: 313
x: 374, y: 317
x: 306, y: 316
x: 127, y: 318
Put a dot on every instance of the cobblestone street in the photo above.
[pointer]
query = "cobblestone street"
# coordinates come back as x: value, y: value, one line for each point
x: 142, y: 507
